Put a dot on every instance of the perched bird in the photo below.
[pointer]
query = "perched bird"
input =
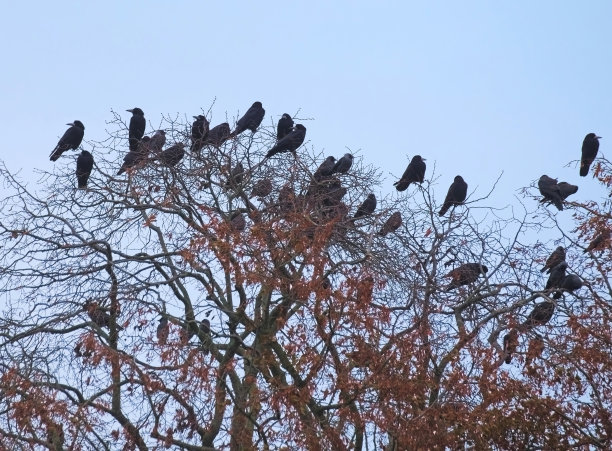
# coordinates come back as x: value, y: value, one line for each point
x: 590, y: 146
x: 465, y: 274
x: 284, y: 127
x: 157, y: 141
x: 134, y: 158
x: 550, y: 190
x: 566, y: 189
x: 571, y: 283
x: 557, y: 256
x: 84, y: 166
x: 261, y: 188
x: 290, y: 142
x: 325, y: 169
x: 238, y: 222
x: 557, y: 274
x: 206, y: 336
x: 600, y: 242
x: 455, y: 196
x: 172, y: 155
x: 510, y: 345
x: 163, y: 330
x: 217, y: 135
x: 251, y: 119
x: 414, y: 173
x: 540, y: 315
x: 71, y: 139
x: 137, y: 127
x: 392, y: 224
x: 236, y: 175
x: 199, y: 130
x: 343, y: 165
x: 367, y: 207
x: 97, y: 315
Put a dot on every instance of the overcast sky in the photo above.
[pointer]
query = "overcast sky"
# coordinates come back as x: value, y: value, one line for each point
x: 474, y: 87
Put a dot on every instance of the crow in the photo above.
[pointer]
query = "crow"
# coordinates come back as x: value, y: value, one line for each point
x: 137, y: 127
x: 206, y: 336
x: 465, y: 274
x: 571, y: 283
x: 540, y: 315
x: 157, y: 141
x: 134, y: 158
x: 367, y: 207
x: 510, y: 344
x: 325, y: 169
x: 199, y: 130
x: 285, y: 125
x: 600, y: 242
x: 71, y: 139
x: 392, y: 224
x: 557, y: 274
x: 414, y: 173
x: 85, y: 162
x: 290, y: 142
x: 550, y: 190
x: 251, y: 119
x: 343, y: 165
x: 566, y: 189
x: 217, y: 135
x: 172, y: 155
x: 590, y: 146
x: 554, y: 259
x: 455, y: 196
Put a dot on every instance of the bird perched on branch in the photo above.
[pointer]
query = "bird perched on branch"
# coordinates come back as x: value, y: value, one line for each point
x: 465, y: 274
x: 326, y: 169
x: 554, y: 259
x: 85, y: 162
x: 97, y: 314
x: 251, y: 119
x: 157, y: 141
x: 71, y: 139
x: 343, y: 165
x: 510, y: 344
x: 550, y: 190
x: 136, y: 128
x: 392, y: 224
x: 284, y: 127
x: 590, y: 146
x: 217, y: 135
x: 600, y: 242
x: 570, y: 283
x: 540, y: 315
x: 456, y: 194
x: 172, y: 155
x: 199, y: 130
x: 414, y: 173
x: 290, y: 142
x: 367, y: 207
x: 136, y: 157
x: 163, y: 330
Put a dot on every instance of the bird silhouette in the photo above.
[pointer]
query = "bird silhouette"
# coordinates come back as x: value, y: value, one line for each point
x: 455, y: 196
x: 590, y: 146
x: 136, y: 128
x: 71, y: 139
x: 251, y: 119
x: 550, y: 190
x: 343, y: 165
x: 557, y: 256
x: 85, y: 162
x: 414, y: 173
x: 199, y: 130
x: 465, y: 274
x: 284, y: 127
x: 290, y: 142
x: 367, y: 207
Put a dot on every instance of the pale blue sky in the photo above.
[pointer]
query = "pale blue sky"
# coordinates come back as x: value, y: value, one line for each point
x: 474, y: 87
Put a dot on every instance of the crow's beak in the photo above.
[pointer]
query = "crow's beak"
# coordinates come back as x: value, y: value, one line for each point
x: 72, y: 124
x: 597, y: 137
x: 131, y: 111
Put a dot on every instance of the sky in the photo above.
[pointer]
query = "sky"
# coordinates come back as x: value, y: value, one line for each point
x: 475, y: 87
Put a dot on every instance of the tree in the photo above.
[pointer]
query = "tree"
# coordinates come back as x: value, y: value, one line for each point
x: 299, y: 328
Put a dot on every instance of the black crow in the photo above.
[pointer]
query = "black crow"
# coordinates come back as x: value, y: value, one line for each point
x: 590, y: 146
x: 571, y: 283
x: 134, y: 158
x: 217, y: 135
x: 392, y: 224
x: 290, y: 142
x: 566, y: 189
x: 172, y: 155
x: 343, y: 165
x: 251, y: 119
x: 367, y: 207
x: 554, y: 259
x: 456, y: 194
x: 557, y: 274
x: 199, y: 130
x: 285, y: 125
x: 137, y: 128
x: 71, y: 139
x: 465, y: 274
x: 414, y: 173
x: 550, y: 190
x: 325, y: 169
x: 84, y: 166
